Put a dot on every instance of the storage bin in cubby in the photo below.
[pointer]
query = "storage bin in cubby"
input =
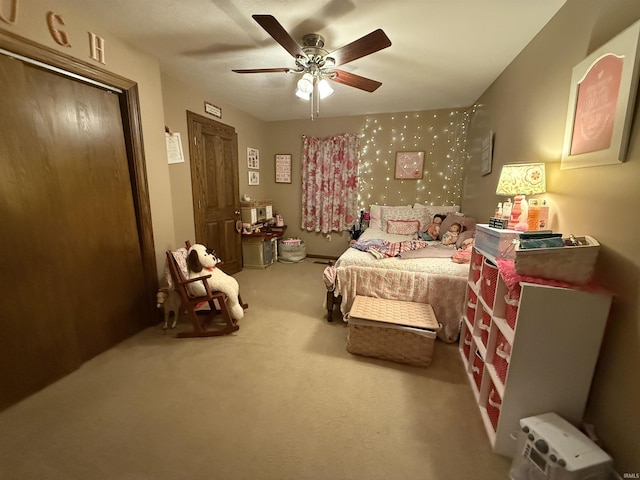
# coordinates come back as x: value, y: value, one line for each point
x: 477, y: 369
x: 471, y: 312
x: 485, y: 326
x: 488, y: 282
x: 473, y: 298
x: 511, y: 310
x: 475, y: 273
x: 478, y: 258
x: 467, y: 340
x: 501, y: 356
x: 494, y: 404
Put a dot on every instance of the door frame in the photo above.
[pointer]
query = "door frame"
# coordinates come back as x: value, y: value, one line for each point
x: 132, y: 127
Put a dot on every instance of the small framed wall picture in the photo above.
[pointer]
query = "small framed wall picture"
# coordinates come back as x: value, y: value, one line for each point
x: 254, y: 178
x: 486, y: 155
x: 283, y: 168
x: 409, y: 165
x: 253, y: 158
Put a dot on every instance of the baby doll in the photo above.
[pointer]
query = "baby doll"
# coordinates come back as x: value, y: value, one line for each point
x: 433, y: 229
x: 451, y: 236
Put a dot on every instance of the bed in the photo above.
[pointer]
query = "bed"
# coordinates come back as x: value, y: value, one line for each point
x: 425, y: 275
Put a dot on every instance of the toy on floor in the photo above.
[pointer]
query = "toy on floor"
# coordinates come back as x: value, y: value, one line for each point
x: 202, y: 260
x: 169, y: 301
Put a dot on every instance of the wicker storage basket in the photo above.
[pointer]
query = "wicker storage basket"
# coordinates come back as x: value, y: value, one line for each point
x: 567, y: 264
x: 403, y: 332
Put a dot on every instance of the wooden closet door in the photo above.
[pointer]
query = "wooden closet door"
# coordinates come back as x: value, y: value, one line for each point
x: 71, y: 272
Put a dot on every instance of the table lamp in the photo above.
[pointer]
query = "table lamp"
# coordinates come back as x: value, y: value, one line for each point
x: 518, y: 180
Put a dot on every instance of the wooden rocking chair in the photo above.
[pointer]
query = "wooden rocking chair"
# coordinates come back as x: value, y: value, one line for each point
x: 202, y: 320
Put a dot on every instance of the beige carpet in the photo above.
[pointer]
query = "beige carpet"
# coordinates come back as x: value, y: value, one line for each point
x: 279, y: 399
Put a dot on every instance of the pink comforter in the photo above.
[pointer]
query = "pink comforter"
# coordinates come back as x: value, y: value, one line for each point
x: 437, y: 281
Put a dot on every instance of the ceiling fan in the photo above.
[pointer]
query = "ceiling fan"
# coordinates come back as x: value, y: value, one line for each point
x: 317, y: 65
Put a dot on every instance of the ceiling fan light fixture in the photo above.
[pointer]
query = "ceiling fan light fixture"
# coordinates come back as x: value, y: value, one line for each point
x: 303, y: 95
x: 305, y: 84
x: 317, y: 66
x: 324, y: 89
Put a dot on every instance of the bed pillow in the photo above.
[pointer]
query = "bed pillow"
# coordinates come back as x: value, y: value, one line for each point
x: 403, y: 213
x: 375, y: 214
x: 468, y: 223
x: 436, y: 209
x: 464, y: 236
x: 403, y: 227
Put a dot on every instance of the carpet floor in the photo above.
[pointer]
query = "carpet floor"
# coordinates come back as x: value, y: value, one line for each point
x: 279, y: 399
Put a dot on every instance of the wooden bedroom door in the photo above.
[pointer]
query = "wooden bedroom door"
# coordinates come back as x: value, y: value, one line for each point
x: 71, y: 273
x: 213, y: 150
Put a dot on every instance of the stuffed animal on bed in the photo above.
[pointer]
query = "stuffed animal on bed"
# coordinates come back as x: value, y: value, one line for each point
x: 203, y: 261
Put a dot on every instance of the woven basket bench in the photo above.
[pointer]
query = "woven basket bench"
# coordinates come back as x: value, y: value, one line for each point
x: 394, y: 330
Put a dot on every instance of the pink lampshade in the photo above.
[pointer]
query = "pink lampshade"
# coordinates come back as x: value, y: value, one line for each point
x: 521, y: 179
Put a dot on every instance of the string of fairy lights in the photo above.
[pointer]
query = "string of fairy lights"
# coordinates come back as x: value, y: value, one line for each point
x: 440, y: 134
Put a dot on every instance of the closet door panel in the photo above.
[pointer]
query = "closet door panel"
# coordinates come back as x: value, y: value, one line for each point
x: 71, y: 262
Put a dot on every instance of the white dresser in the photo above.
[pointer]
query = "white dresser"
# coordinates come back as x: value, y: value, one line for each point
x: 529, y: 355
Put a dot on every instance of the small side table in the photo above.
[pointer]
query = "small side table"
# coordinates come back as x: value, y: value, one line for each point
x: 259, y: 250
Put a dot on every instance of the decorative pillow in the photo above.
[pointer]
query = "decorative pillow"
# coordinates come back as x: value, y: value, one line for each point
x: 468, y: 223
x: 404, y: 213
x: 375, y: 212
x: 403, y: 227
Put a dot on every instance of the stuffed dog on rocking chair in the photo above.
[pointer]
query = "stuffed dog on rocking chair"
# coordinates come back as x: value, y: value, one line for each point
x: 202, y: 258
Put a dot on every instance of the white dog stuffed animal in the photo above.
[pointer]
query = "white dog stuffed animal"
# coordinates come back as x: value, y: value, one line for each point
x: 202, y: 261
x: 169, y: 301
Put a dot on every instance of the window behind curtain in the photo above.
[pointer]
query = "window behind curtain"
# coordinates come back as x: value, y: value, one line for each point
x: 330, y: 183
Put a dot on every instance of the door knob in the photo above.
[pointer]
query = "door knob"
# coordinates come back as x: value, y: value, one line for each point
x: 237, y: 212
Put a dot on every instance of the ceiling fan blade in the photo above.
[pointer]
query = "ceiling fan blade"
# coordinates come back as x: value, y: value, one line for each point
x: 371, y: 43
x: 279, y: 34
x: 356, y: 81
x: 263, y: 70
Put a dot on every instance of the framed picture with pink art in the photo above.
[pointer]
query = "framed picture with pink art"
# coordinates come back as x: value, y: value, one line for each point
x: 409, y: 165
x: 602, y: 100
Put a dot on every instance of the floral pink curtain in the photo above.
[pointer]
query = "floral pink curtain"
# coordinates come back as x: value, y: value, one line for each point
x: 330, y: 183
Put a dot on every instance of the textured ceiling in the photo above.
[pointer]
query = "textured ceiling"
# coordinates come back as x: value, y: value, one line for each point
x: 444, y: 53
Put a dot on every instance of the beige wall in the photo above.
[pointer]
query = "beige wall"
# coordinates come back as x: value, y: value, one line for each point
x: 177, y: 99
x: 439, y: 133
x: 526, y: 108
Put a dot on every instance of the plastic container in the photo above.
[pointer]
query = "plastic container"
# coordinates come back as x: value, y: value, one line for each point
x: 533, y: 218
x: 506, y: 209
x: 543, y: 219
